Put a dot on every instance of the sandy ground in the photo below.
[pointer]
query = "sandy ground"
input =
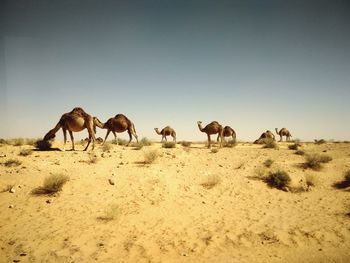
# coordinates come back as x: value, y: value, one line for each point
x: 162, y: 213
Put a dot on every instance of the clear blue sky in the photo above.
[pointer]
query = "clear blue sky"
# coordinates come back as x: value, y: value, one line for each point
x: 253, y: 65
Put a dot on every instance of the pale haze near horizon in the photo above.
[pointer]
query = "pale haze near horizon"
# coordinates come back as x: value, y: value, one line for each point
x: 249, y: 64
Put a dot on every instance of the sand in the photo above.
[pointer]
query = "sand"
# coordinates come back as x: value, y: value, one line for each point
x: 167, y: 212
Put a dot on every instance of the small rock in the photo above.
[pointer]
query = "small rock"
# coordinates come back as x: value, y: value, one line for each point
x: 16, y: 260
x: 11, y: 206
x: 12, y: 190
x: 111, y: 181
x: 23, y: 254
x: 48, y: 201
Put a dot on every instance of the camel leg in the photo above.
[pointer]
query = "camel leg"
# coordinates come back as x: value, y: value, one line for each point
x: 280, y: 138
x: 115, y: 135
x: 174, y: 139
x: 209, y: 141
x: 165, y: 138
x: 136, y: 137
x: 218, y: 138
x: 221, y: 137
x: 71, y: 137
x: 64, y: 139
x: 130, y: 138
x: 91, y: 136
x: 108, y: 131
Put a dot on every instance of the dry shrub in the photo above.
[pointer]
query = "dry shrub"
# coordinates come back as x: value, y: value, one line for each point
x: 186, y: 143
x: 146, y: 142
x: 268, y: 163
x: 210, y: 181
x: 169, y: 145
x: 315, y: 161
x: 52, y: 184
x: 345, y: 183
x: 299, y: 152
x: 294, y: 146
x: 278, y: 179
x: 107, y: 147
x: 151, y: 156
x: 16, y: 142
x: 137, y: 145
x: 215, y: 150
x: 310, y: 180
x: 270, y: 143
x: 12, y: 163
x: 322, y: 141
x: 25, y: 152
x: 43, y: 145
x: 111, y: 213
x: 121, y: 142
x: 230, y: 144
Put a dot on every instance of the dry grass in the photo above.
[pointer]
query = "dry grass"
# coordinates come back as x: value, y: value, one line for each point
x: 107, y: 147
x: 146, y: 142
x: 121, y: 142
x: 315, y: 161
x: 270, y: 144
x: 186, y: 143
x: 52, y: 184
x: 43, y: 145
x: 111, y: 213
x: 150, y: 156
x: 345, y: 183
x: 137, y: 145
x: 12, y: 163
x: 278, y: 179
x: 321, y: 141
x: 210, y: 181
x: 25, y: 152
x: 300, y: 152
x: 310, y: 180
x: 268, y: 163
x: 230, y: 144
x: 169, y: 145
x: 294, y: 146
x: 92, y: 158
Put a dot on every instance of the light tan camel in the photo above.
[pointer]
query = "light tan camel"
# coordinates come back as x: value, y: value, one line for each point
x: 283, y: 132
x: 212, y: 128
x: 265, y: 135
x: 167, y: 131
x: 74, y: 121
x: 117, y: 124
x: 228, y: 132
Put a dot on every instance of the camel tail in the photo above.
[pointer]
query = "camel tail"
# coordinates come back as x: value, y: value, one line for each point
x: 276, y: 131
x: 51, y: 134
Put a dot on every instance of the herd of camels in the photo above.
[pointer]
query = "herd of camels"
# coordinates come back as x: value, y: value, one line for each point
x: 78, y: 120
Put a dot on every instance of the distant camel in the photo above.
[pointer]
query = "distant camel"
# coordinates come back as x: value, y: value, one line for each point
x: 166, y: 132
x: 283, y: 132
x: 265, y: 135
x: 119, y: 123
x: 74, y: 121
x: 228, y: 132
x: 212, y: 128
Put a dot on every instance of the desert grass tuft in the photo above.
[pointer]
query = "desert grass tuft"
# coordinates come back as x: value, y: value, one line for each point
x: 168, y: 144
x: 107, y: 147
x: 137, y: 145
x: 270, y: 143
x: 52, y: 184
x: 150, y: 156
x: 146, y: 142
x: 230, y: 144
x: 278, y: 179
x: 345, y: 183
x: 92, y: 158
x: 315, y: 161
x: 210, y: 181
x: 186, y: 143
x: 300, y: 152
x: 111, y: 213
x: 294, y: 146
x: 215, y: 150
x: 310, y: 180
x: 121, y: 142
x: 268, y: 163
x: 43, y: 145
x: 12, y: 163
x: 321, y: 141
x: 25, y: 152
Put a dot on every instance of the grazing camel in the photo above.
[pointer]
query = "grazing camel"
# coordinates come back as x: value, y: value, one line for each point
x: 166, y: 132
x: 74, y: 121
x: 228, y: 132
x: 212, y: 128
x: 119, y: 123
x: 265, y: 135
x: 283, y: 132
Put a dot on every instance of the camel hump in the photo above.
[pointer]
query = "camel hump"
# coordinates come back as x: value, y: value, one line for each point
x: 79, y: 111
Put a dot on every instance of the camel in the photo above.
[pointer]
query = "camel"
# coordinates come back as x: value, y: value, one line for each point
x: 283, y: 132
x: 74, y: 121
x: 166, y: 132
x: 228, y: 132
x: 212, y: 128
x: 265, y: 135
x: 117, y: 124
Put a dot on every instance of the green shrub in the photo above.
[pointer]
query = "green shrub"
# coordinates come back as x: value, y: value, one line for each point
x: 169, y: 145
x: 278, y: 179
x: 52, y: 184
x: 315, y: 161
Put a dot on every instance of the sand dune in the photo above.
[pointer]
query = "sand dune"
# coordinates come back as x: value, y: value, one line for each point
x: 190, y: 205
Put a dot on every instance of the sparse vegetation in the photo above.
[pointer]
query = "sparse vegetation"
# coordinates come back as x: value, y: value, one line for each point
x: 43, y: 145
x: 210, y: 181
x: 110, y: 213
x: 310, y: 180
x: 294, y: 146
x: 52, y: 184
x: 268, y: 163
x: 19, y: 141
x: 278, y: 179
x: 215, y: 150
x: 151, y: 156
x: 321, y: 141
x: 345, y: 183
x: 270, y: 143
x: 25, y: 152
x: 315, y: 161
x: 169, y: 145
x: 186, y: 143
x: 107, y: 147
x: 119, y: 141
x: 230, y: 144
x: 299, y: 152
x: 137, y: 145
x: 146, y: 142
x: 12, y: 163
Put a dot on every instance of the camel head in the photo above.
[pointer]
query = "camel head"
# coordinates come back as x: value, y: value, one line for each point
x: 199, y: 122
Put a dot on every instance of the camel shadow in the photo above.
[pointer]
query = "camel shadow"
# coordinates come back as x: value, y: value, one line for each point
x: 48, y: 150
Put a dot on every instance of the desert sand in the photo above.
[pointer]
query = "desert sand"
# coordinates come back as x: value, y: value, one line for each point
x: 164, y: 211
